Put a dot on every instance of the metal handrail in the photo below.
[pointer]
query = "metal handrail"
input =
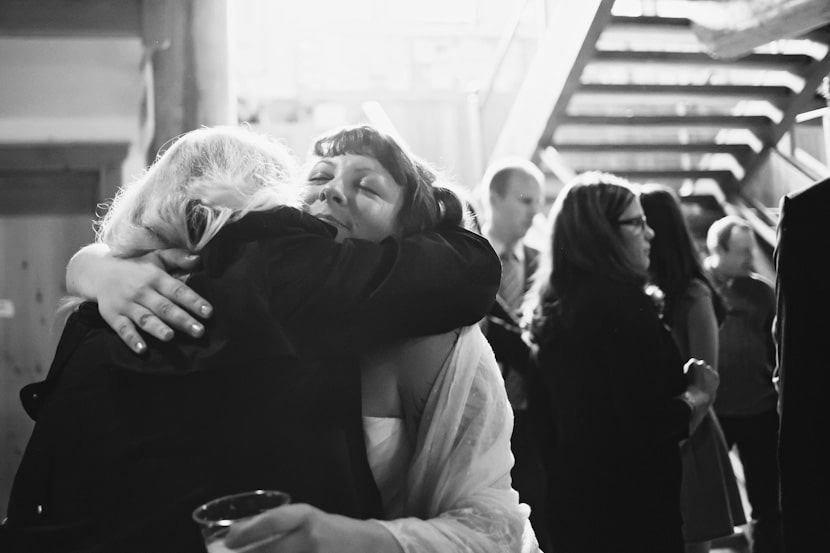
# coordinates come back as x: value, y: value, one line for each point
x: 795, y: 164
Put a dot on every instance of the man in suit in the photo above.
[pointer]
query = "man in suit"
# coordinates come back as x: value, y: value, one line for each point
x: 513, y: 189
x: 801, y: 331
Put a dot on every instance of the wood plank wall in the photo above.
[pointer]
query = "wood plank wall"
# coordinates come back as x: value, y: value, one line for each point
x: 34, y: 250
x: 48, y: 198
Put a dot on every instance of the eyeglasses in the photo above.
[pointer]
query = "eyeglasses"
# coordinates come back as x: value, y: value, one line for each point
x: 639, y: 223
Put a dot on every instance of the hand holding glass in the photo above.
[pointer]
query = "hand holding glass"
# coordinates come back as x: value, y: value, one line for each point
x: 216, y: 517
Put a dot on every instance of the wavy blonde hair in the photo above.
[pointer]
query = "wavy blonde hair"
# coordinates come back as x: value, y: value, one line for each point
x: 207, y: 178
x: 204, y: 180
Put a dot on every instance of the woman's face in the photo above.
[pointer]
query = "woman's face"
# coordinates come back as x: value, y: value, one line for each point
x: 356, y: 195
x: 636, y: 234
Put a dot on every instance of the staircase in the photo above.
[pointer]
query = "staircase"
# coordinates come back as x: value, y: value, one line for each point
x: 641, y: 97
x: 650, y: 105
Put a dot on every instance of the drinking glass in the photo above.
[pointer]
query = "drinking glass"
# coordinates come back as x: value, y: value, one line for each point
x: 216, y: 517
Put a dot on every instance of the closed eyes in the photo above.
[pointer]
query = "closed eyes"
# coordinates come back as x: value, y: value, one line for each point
x: 319, y: 178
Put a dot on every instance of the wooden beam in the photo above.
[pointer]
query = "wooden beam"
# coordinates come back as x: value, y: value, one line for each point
x: 89, y: 18
x: 36, y: 192
x: 29, y: 164
x: 776, y: 95
x: 794, y: 63
x: 564, y: 51
x: 729, y: 32
x: 191, y: 86
x: 60, y: 156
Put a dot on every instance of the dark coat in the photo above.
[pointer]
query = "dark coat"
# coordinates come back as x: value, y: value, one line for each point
x: 605, y: 381
x: 125, y: 447
x: 802, y: 331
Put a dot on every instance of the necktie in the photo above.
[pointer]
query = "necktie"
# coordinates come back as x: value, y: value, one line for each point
x: 511, y: 291
x: 511, y: 288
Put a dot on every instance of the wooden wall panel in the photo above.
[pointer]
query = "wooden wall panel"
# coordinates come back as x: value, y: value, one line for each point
x: 35, y: 192
x: 71, y: 18
x: 48, y: 197
x: 34, y: 251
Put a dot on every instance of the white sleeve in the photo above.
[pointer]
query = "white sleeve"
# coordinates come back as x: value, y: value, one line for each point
x: 458, y: 492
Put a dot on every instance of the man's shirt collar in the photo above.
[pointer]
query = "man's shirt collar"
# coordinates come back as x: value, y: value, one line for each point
x: 518, y: 249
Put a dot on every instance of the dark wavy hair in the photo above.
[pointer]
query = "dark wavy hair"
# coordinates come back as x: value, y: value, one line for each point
x: 426, y: 203
x: 674, y: 259
x: 585, y: 240
x: 585, y: 246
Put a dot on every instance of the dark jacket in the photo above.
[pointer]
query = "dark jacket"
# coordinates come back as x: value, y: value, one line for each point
x: 125, y: 447
x: 746, y: 355
x: 802, y: 331
x: 605, y: 380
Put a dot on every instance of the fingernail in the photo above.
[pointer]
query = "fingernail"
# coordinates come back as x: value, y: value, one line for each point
x: 196, y: 329
x: 205, y: 310
x: 139, y: 347
x: 167, y: 335
x: 192, y: 257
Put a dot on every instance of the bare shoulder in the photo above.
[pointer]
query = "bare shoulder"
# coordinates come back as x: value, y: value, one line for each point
x: 420, y: 362
x: 397, y: 378
x: 421, y: 359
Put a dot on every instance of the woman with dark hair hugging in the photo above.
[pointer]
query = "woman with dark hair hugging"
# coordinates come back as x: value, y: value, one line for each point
x: 268, y: 393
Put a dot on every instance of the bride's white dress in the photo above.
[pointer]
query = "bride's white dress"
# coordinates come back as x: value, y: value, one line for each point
x: 450, y: 491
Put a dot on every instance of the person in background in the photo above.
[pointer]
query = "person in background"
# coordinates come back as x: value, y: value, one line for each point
x: 615, y: 403
x: 802, y: 329
x: 513, y: 189
x: 267, y: 393
x: 613, y: 400
x: 746, y: 401
x: 710, y: 499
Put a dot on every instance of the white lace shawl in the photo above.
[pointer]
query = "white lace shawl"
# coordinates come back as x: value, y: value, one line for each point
x: 458, y: 496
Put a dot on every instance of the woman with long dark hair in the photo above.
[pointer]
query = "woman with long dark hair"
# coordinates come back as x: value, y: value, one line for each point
x: 710, y: 501
x: 611, y: 401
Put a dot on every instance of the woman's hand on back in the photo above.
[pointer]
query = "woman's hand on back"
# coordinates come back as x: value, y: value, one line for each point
x: 139, y: 292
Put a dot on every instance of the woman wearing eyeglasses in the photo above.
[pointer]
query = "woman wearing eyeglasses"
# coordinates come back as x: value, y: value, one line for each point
x: 611, y: 403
